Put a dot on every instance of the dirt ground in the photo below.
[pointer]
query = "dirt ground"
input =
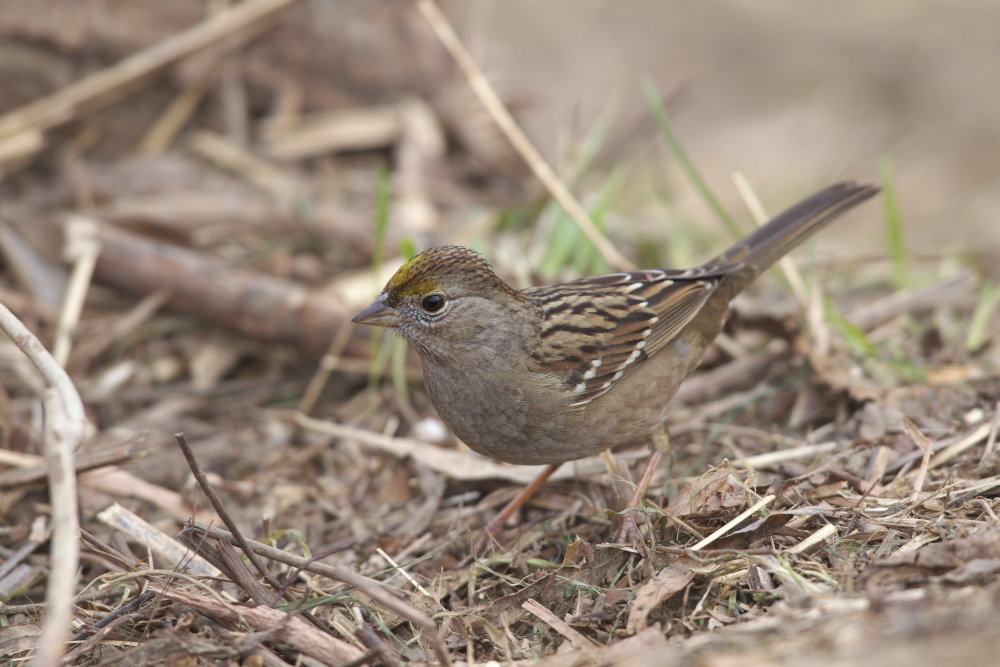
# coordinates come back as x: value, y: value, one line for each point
x: 196, y: 197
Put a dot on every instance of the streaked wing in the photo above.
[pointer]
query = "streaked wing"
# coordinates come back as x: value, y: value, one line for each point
x: 598, y: 329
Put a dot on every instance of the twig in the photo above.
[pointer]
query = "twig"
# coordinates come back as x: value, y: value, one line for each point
x: 361, y: 128
x: 406, y: 575
x: 327, y: 364
x: 256, y: 170
x: 82, y: 248
x: 20, y: 459
x: 820, y: 536
x: 258, y: 306
x: 295, y: 572
x: 735, y: 521
x: 88, y: 460
x: 220, y: 508
x: 367, y: 586
x: 65, y: 429
x: 232, y: 88
x: 172, y: 120
x: 155, y: 540
x: 921, y: 441
x: 22, y: 145
x: 991, y: 440
x: 953, y: 450
x: 88, y: 643
x: 39, y: 533
x: 241, y: 541
x: 873, y: 313
x: 494, y: 106
x: 780, y: 456
x: 289, y: 629
x: 127, y: 612
x: 111, y: 84
x: 572, y: 635
x: 856, y: 509
x: 11, y: 609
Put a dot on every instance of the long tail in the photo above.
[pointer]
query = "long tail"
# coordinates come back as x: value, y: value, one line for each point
x: 769, y: 243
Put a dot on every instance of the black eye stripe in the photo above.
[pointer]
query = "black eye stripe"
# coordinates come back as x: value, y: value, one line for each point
x: 432, y: 303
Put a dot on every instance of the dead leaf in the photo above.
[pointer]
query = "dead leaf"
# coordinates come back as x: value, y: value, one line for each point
x: 645, y: 648
x: 713, y: 491
x: 951, y: 554
x: 16, y: 639
x: 758, y: 530
x: 668, y: 582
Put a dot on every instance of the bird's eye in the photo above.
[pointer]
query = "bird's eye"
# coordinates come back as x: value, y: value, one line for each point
x: 433, y: 303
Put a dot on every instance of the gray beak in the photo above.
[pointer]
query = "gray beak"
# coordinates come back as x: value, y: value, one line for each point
x: 379, y: 314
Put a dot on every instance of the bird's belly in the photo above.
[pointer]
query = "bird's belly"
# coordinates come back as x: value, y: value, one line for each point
x: 533, y: 423
x: 512, y: 426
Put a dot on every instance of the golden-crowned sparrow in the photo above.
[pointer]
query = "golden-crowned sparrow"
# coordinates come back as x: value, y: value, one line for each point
x: 555, y: 373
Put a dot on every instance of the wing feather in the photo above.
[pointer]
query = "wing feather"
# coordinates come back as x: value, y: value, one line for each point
x: 598, y: 329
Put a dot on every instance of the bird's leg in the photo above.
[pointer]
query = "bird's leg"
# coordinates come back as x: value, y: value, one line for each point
x: 494, y: 528
x: 628, y: 531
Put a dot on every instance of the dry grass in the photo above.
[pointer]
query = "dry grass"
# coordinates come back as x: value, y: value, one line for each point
x: 833, y: 485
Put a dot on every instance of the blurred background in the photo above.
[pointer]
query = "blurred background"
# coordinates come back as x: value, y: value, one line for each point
x: 197, y: 195
x: 793, y: 93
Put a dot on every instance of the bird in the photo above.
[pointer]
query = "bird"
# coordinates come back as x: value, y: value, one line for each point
x: 555, y: 373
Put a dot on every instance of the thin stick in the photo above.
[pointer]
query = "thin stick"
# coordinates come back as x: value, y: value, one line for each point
x: 168, y: 548
x: 21, y: 145
x: 494, y: 106
x: 65, y: 430
x: 953, y: 450
x: 820, y: 536
x: 256, y: 170
x: 232, y: 88
x: 766, y: 500
x: 406, y: 575
x: 571, y: 634
x: 174, y: 118
x: 241, y: 541
x: 991, y: 440
x: 220, y: 508
x: 111, y: 84
x: 801, y: 452
x: 39, y: 534
x: 367, y: 586
x: 324, y: 369
x: 82, y: 247
x: 921, y: 441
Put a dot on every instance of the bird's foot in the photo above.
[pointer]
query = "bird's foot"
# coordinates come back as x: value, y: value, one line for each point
x: 628, y: 531
x: 493, y: 534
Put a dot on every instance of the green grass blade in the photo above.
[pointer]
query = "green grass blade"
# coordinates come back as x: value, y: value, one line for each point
x: 894, y: 225
x: 383, y: 199
x: 567, y: 245
x: 852, y: 333
x: 408, y: 248
x: 655, y: 101
x: 989, y: 298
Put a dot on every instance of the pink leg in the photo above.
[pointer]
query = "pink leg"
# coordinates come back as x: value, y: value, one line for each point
x: 494, y: 529
x: 629, y: 530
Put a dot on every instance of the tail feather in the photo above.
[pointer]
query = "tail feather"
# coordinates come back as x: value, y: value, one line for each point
x: 762, y: 248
